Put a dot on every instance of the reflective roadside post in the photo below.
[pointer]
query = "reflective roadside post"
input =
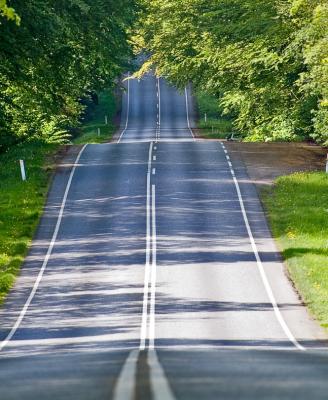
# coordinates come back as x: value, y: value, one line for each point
x: 22, y: 168
x: 327, y: 165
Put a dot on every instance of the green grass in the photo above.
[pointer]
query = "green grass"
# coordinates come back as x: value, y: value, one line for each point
x: 298, y: 213
x: 88, y: 132
x: 21, y: 204
x: 216, y: 126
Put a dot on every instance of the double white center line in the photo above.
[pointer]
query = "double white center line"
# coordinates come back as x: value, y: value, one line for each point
x: 125, y: 388
x: 148, y: 321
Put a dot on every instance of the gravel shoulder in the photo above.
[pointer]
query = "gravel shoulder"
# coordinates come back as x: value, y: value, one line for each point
x: 267, y: 161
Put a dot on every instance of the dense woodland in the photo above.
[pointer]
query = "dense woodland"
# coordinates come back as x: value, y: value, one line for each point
x: 54, y: 54
x: 265, y: 61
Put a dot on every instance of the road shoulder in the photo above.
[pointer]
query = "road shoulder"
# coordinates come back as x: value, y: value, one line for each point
x: 265, y: 163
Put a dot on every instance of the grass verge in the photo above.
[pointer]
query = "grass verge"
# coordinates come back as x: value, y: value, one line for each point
x: 298, y: 213
x: 107, y: 107
x: 211, y: 123
x: 21, y: 204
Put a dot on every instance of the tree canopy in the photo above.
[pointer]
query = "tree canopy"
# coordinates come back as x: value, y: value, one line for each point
x: 53, y: 53
x: 265, y: 61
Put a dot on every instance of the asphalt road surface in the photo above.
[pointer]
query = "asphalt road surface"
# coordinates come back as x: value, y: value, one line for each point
x: 153, y: 275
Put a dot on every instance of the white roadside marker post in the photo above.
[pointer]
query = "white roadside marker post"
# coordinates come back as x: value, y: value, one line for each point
x: 205, y: 118
x: 106, y: 120
x: 98, y: 131
x: 22, y: 168
x: 327, y: 165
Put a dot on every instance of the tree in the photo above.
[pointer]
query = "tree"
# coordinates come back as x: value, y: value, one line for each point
x: 61, y: 52
x: 256, y: 57
x: 311, y: 18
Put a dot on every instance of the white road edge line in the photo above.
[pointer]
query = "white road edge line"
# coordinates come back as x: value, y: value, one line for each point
x: 264, y: 277
x: 127, y: 112
x: 47, y: 257
x: 143, y: 333
x: 187, y: 110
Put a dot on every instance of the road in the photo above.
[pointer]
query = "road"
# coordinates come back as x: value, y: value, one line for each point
x: 153, y: 275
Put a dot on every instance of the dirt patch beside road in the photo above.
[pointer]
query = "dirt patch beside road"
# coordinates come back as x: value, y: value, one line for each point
x: 267, y: 161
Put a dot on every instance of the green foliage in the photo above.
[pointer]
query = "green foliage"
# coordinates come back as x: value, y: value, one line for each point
x: 312, y: 37
x: 297, y: 208
x: 266, y: 62
x: 8, y: 12
x: 88, y: 132
x: 61, y: 52
x: 207, y: 104
x: 216, y: 125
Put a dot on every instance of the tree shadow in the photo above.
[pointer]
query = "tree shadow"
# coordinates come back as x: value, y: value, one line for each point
x: 300, y: 251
